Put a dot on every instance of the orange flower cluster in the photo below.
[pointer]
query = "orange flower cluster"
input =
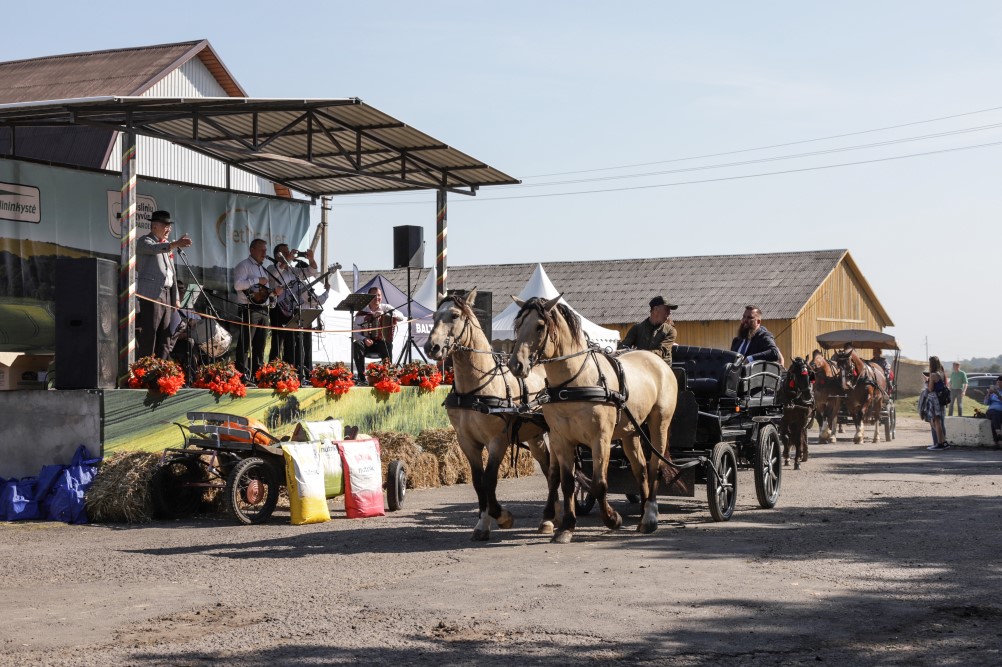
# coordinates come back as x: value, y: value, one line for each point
x: 383, y: 376
x: 416, y: 374
x: 336, y: 378
x: 161, y: 376
x: 450, y: 377
x: 221, y: 378
x: 278, y: 375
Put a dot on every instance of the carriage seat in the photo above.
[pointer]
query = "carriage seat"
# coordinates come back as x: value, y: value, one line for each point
x: 710, y: 372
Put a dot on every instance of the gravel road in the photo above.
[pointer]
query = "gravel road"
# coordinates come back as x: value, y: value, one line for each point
x: 875, y: 555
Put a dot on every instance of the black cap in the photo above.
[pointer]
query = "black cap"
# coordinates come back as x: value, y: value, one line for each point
x: 998, y: 379
x: 660, y: 301
x: 161, y: 216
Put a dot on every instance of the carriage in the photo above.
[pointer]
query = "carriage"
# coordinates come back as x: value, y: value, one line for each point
x: 862, y: 339
x: 725, y: 419
x: 236, y: 456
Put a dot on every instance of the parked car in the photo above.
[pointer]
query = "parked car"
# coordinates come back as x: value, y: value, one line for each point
x: 978, y: 384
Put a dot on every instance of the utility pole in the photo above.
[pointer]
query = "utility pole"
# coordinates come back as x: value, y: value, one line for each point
x: 927, y: 348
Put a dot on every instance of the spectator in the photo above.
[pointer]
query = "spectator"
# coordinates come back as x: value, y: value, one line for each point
x: 933, y: 410
x: 993, y: 399
x: 958, y: 387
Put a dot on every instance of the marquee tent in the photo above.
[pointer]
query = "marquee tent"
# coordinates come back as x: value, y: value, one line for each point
x: 336, y: 345
x: 421, y: 317
x: 539, y: 285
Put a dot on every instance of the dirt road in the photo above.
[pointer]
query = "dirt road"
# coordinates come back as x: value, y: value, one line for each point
x: 876, y: 554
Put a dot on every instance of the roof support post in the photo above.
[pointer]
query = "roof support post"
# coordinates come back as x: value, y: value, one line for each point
x: 441, y: 247
x: 325, y: 205
x: 127, y: 267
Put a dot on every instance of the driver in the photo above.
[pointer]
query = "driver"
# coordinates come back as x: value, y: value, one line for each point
x: 753, y: 340
x: 656, y: 333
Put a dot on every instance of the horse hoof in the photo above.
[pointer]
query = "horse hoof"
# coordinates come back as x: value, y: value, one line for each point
x: 545, y: 528
x: 563, y: 537
x: 786, y: 462
x: 796, y: 466
x: 615, y: 521
x: 480, y: 535
x: 647, y: 528
x: 506, y: 520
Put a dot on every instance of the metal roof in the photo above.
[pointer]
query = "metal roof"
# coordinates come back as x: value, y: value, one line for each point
x: 318, y: 147
x: 861, y: 338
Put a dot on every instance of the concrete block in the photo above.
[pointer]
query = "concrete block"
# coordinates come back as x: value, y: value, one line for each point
x: 44, y: 427
x: 969, y: 431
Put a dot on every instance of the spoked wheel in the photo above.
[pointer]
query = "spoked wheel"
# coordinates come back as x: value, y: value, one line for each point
x: 722, y: 482
x: 173, y: 489
x: 396, y: 485
x: 252, y: 490
x: 768, y: 466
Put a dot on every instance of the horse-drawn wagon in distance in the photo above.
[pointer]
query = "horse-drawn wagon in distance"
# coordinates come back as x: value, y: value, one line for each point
x: 852, y: 389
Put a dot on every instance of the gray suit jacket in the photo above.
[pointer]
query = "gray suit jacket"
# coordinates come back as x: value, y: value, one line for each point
x: 151, y: 268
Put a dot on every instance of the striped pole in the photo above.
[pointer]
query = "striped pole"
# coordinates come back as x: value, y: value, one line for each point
x: 441, y: 246
x: 127, y: 268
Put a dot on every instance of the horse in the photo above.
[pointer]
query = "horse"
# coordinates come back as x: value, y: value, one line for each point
x: 592, y: 399
x: 484, y: 407
x: 866, y: 390
x: 796, y: 395
x: 827, y: 394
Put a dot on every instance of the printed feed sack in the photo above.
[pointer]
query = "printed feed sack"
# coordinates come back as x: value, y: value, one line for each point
x: 330, y: 456
x: 363, y: 478
x: 331, y: 429
x: 304, y: 478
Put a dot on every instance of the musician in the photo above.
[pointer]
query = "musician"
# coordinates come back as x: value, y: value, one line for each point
x: 256, y: 291
x: 753, y: 340
x: 292, y: 275
x: 656, y: 333
x: 371, y: 336
x: 155, y: 279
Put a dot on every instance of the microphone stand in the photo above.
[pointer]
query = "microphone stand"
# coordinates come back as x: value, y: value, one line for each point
x: 211, y: 309
x: 288, y: 337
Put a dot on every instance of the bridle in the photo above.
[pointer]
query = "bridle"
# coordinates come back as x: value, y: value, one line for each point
x: 793, y: 388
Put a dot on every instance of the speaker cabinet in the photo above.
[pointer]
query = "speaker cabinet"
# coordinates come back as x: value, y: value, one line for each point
x: 483, y: 307
x: 408, y: 247
x: 86, y: 323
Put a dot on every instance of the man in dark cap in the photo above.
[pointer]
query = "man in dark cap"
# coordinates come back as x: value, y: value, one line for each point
x: 156, y: 280
x: 754, y: 341
x: 656, y: 333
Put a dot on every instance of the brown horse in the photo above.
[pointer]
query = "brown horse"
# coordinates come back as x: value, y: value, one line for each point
x: 866, y: 390
x: 827, y: 396
x: 796, y: 395
x: 591, y: 398
x: 484, y: 408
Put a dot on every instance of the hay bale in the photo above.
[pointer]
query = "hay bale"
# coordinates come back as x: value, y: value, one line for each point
x: 393, y: 445
x: 424, y: 474
x: 120, y: 493
x: 453, y: 467
x: 525, y: 465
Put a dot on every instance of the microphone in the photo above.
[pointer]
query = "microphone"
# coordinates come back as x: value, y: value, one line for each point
x: 271, y: 259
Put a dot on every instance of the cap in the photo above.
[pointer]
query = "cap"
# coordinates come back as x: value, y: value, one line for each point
x: 660, y: 301
x: 161, y: 216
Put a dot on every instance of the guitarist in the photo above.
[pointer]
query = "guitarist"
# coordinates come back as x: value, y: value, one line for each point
x: 285, y: 344
x: 255, y: 288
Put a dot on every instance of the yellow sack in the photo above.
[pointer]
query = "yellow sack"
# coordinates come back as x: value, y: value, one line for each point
x: 304, y: 478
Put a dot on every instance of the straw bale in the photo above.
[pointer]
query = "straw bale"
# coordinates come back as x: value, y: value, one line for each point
x: 425, y: 474
x: 393, y: 445
x: 453, y: 467
x: 526, y: 465
x: 120, y: 493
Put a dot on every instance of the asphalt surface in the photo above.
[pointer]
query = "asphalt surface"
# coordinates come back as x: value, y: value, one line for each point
x: 877, y: 554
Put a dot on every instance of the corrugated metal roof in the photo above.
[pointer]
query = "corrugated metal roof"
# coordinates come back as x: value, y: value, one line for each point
x: 706, y: 288
x: 318, y: 147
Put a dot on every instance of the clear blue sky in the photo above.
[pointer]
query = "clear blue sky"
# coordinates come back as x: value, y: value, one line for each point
x: 537, y: 88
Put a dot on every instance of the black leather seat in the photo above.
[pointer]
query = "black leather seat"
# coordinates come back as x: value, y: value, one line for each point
x: 710, y: 372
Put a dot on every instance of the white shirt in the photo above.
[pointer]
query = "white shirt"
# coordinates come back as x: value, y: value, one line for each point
x: 247, y: 273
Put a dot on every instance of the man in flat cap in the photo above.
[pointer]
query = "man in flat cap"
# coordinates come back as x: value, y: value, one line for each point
x: 656, y: 333
x: 156, y: 280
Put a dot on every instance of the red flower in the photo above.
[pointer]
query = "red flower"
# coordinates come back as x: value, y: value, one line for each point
x: 280, y: 376
x: 161, y: 376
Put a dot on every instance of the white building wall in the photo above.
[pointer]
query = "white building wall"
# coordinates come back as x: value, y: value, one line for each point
x: 163, y: 159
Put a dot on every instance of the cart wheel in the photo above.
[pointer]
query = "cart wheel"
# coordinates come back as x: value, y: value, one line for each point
x: 396, y: 485
x: 583, y: 500
x: 889, y: 425
x: 722, y: 485
x: 768, y: 467
x: 252, y: 490
x: 174, y: 497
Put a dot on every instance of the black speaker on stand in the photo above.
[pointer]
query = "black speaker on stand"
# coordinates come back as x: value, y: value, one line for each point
x: 483, y: 307
x: 86, y: 323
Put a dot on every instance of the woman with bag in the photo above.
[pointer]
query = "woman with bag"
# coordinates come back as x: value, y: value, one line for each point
x: 933, y: 412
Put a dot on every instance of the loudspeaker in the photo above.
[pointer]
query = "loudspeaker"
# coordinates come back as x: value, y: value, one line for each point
x: 408, y: 247
x: 483, y: 307
x: 86, y: 323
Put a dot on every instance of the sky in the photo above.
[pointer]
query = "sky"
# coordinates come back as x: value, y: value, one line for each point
x: 650, y: 129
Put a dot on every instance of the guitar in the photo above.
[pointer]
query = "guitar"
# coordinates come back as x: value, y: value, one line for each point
x: 287, y: 302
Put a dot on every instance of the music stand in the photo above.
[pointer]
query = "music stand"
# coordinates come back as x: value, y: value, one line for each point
x: 191, y: 296
x: 354, y: 303
x: 307, y: 316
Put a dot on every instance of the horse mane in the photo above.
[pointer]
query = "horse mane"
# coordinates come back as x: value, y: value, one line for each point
x: 571, y: 318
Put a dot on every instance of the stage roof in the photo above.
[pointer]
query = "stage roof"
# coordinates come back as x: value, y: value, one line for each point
x: 317, y: 147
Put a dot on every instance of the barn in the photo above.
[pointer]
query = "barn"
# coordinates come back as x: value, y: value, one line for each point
x: 801, y: 294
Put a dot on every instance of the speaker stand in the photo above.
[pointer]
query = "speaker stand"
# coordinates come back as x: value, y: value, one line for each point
x: 405, y: 354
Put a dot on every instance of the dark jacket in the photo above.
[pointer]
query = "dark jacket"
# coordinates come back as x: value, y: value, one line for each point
x: 645, y: 336
x: 761, y: 347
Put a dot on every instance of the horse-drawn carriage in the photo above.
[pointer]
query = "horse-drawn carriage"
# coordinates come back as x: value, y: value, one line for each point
x: 725, y: 419
x: 846, y: 372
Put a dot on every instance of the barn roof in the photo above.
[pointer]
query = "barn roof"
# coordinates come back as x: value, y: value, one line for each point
x: 706, y: 287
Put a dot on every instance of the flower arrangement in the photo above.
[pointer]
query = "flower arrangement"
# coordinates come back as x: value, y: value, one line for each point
x: 383, y: 377
x: 161, y: 376
x: 278, y: 375
x: 450, y: 377
x: 417, y: 374
x: 220, y: 378
x: 336, y: 378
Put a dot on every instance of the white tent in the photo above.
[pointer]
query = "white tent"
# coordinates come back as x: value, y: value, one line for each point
x: 427, y: 294
x: 539, y: 285
x: 334, y: 346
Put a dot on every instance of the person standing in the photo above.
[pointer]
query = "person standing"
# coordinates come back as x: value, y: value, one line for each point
x: 958, y: 385
x: 286, y: 344
x: 255, y: 292
x: 933, y: 411
x: 656, y: 333
x: 993, y: 399
x: 754, y: 341
x: 370, y: 338
x: 156, y: 280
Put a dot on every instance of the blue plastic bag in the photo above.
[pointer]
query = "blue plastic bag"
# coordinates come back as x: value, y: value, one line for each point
x: 17, y: 500
x: 61, y: 489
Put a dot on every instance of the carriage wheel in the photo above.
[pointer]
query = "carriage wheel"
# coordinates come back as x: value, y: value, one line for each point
x: 396, y: 485
x: 768, y: 466
x: 722, y: 481
x: 584, y: 501
x: 252, y: 491
x: 172, y: 490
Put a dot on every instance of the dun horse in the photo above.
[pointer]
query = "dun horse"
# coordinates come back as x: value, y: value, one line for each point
x: 866, y: 390
x: 483, y: 407
x: 590, y: 399
x: 796, y: 395
x: 827, y: 395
